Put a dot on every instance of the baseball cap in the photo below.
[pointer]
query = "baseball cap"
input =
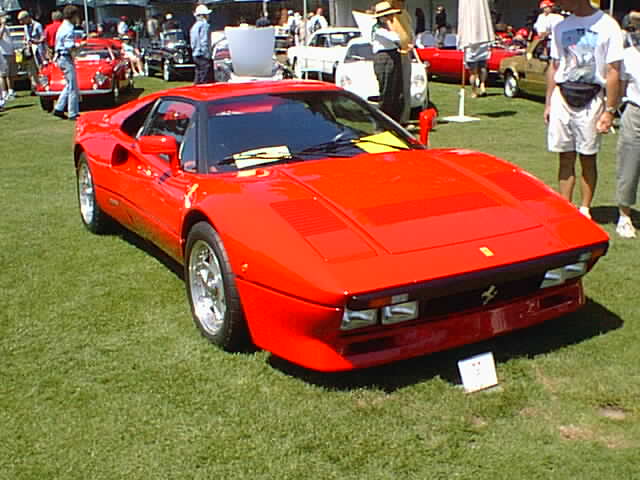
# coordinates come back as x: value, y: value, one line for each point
x: 546, y: 3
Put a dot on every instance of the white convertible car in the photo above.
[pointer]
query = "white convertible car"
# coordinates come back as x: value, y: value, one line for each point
x: 325, y: 49
x: 355, y: 73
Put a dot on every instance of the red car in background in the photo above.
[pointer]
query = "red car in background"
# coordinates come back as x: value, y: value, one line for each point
x: 446, y: 62
x: 314, y: 227
x: 101, y: 69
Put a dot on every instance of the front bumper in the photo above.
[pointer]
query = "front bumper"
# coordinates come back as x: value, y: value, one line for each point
x: 183, y: 65
x: 308, y: 334
x: 56, y: 93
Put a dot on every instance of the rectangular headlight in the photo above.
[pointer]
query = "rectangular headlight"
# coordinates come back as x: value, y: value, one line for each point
x: 358, y: 318
x: 400, y: 312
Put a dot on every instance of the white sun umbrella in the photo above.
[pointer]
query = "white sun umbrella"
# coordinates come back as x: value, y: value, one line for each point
x: 474, y: 26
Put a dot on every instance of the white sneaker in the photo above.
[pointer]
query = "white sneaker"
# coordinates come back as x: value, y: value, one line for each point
x: 625, y: 228
x: 586, y: 212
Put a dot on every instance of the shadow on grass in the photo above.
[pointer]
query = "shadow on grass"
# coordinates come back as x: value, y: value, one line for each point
x: 608, y: 214
x: 17, y: 107
x: 591, y: 321
x: 149, y: 248
x: 503, y: 113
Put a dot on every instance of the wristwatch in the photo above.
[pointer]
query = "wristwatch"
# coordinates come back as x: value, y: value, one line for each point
x: 611, y: 110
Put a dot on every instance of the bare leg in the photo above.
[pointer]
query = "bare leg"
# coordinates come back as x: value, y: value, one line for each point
x: 473, y: 80
x: 567, y: 174
x: 483, y: 81
x: 589, y: 178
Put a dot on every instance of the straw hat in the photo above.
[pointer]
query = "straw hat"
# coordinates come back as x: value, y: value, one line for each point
x: 634, y: 19
x: 384, y: 8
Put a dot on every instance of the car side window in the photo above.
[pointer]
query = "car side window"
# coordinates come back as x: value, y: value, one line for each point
x: 171, y: 118
x: 188, y: 148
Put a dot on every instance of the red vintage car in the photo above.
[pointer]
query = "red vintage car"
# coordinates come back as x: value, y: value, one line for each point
x: 446, y: 62
x: 313, y: 226
x: 101, y: 69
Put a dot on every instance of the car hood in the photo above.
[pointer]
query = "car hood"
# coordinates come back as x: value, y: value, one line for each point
x: 410, y: 201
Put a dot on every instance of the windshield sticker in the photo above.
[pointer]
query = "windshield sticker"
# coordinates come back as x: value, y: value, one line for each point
x: 259, y: 156
x: 381, y: 143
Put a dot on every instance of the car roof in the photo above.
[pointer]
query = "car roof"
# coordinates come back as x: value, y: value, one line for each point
x: 337, y: 30
x: 218, y: 91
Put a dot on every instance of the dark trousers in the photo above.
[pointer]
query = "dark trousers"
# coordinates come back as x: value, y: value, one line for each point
x: 203, y: 70
x: 386, y: 65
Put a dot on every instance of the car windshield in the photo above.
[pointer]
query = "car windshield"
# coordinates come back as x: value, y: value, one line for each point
x: 93, y: 54
x: 342, y: 38
x: 359, y: 51
x: 174, y: 37
x: 248, y: 131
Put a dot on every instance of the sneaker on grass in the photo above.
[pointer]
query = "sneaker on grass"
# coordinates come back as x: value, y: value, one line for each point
x: 625, y: 228
x: 586, y: 212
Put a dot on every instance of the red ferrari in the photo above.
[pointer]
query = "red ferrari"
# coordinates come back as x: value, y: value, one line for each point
x: 101, y: 69
x: 313, y: 226
x: 446, y: 62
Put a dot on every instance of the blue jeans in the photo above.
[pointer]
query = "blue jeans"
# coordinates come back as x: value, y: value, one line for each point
x: 70, y: 96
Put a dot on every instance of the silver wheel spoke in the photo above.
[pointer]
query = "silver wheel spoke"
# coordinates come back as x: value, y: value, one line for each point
x: 206, y: 283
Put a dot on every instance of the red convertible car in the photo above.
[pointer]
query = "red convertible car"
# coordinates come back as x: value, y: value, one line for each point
x: 446, y: 62
x: 101, y: 69
x: 312, y: 225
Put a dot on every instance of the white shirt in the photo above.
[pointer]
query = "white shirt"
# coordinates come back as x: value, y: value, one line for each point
x: 545, y: 23
x: 584, y: 46
x: 631, y: 73
x: 384, y: 39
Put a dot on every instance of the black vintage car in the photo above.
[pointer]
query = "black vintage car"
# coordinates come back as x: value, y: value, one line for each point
x: 171, y: 56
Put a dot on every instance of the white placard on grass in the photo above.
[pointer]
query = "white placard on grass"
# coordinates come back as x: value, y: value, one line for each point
x: 478, y: 372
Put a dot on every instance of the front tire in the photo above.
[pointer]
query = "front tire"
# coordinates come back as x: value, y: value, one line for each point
x: 166, y: 72
x: 511, y: 87
x: 93, y: 218
x: 46, y: 104
x: 211, y: 290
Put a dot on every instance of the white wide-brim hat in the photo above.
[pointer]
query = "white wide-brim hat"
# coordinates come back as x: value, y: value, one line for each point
x: 384, y: 8
x: 202, y: 10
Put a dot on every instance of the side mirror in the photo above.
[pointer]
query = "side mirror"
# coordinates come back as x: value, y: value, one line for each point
x: 427, y: 123
x: 161, y: 145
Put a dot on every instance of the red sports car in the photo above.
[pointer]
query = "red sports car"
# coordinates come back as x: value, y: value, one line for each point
x: 446, y: 62
x: 101, y: 70
x: 312, y: 225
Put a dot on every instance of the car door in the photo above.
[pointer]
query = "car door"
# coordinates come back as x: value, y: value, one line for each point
x: 314, y: 52
x: 536, y: 69
x: 164, y: 192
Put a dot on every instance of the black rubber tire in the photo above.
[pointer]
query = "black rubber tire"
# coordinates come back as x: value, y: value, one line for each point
x: 233, y: 335
x: 47, y: 104
x: 97, y: 222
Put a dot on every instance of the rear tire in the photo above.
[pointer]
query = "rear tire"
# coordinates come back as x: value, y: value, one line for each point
x: 511, y: 87
x: 212, y: 292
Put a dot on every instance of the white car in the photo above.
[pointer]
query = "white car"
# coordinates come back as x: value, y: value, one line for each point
x: 325, y: 49
x: 355, y: 73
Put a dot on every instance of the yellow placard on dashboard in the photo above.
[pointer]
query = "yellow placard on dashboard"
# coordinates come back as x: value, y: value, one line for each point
x: 381, y: 143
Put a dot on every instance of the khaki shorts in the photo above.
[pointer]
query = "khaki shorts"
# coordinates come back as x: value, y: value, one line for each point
x: 574, y: 129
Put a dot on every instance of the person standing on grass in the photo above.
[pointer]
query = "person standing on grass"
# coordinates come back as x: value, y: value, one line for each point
x: 402, y: 24
x: 201, y: 46
x: 586, y: 51
x: 628, y: 173
x: 386, y: 61
x: 65, y: 46
x: 8, y: 67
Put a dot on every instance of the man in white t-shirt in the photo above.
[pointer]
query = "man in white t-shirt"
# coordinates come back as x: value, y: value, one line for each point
x: 586, y: 51
x: 547, y: 19
x: 628, y: 173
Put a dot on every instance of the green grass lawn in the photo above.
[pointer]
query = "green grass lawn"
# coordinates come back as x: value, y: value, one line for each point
x: 104, y: 376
